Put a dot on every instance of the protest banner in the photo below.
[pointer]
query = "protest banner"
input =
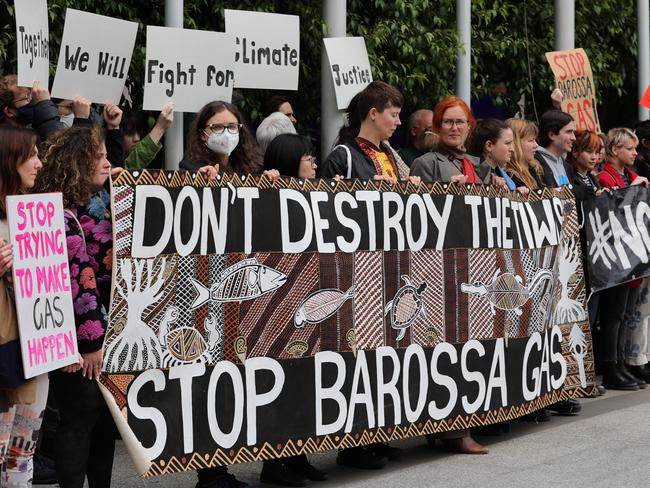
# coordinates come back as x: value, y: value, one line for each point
x: 351, y: 312
x: 645, y: 99
x: 267, y: 49
x: 94, y: 58
x: 349, y: 65
x: 574, y: 78
x: 48, y: 336
x: 32, y: 42
x: 188, y: 67
x: 617, y: 232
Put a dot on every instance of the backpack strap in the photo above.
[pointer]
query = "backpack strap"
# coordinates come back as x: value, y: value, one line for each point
x: 349, y: 159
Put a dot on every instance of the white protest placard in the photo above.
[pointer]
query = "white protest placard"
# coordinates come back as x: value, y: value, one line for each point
x: 188, y: 67
x: 32, y: 42
x: 95, y: 56
x: 46, y: 325
x: 267, y: 49
x: 349, y: 65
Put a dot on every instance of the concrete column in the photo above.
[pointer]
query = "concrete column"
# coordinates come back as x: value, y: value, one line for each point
x: 643, y: 55
x: 464, y: 56
x: 565, y: 25
x: 174, y: 149
x: 334, y: 15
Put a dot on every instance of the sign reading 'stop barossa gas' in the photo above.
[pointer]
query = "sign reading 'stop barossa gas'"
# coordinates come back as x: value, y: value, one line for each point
x: 255, y: 319
x: 574, y: 78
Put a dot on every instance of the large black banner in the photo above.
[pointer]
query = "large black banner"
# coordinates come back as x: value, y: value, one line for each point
x: 617, y: 229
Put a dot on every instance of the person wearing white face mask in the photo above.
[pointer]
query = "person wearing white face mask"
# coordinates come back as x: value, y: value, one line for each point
x: 219, y: 142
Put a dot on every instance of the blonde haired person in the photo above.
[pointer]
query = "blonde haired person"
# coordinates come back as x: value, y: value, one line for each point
x: 523, y: 168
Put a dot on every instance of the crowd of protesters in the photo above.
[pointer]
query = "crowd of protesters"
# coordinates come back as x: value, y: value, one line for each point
x: 57, y: 147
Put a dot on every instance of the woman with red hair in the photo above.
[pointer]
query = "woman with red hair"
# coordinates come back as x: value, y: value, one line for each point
x: 453, y: 122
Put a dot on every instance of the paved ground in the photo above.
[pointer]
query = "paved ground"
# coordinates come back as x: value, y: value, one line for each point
x: 605, y: 446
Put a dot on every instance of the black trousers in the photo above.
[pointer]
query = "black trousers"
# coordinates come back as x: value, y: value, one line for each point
x: 617, y: 305
x: 85, y: 437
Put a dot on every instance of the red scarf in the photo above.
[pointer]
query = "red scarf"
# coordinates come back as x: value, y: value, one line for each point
x: 468, y: 171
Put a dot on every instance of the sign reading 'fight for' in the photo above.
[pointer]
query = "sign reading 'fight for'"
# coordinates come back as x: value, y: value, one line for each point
x: 187, y: 67
x: 46, y: 322
x: 574, y: 78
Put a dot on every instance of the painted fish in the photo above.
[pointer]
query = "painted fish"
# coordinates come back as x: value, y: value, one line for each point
x: 321, y: 305
x: 244, y: 280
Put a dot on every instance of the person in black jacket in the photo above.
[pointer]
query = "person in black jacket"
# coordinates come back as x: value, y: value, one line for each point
x: 362, y: 151
x: 32, y: 107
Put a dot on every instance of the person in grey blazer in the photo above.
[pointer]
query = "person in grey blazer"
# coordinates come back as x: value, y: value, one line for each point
x: 449, y: 163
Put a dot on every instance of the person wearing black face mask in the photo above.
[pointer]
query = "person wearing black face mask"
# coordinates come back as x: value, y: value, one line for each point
x: 32, y: 107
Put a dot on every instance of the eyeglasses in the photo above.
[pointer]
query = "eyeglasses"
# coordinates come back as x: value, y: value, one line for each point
x: 27, y: 98
x: 309, y: 159
x: 449, y: 123
x: 219, y: 129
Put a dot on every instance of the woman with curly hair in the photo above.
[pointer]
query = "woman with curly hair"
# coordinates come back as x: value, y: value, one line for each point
x: 220, y: 142
x: 76, y: 165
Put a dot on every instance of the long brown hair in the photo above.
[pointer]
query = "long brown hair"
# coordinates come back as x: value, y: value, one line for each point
x: 68, y: 163
x: 245, y: 157
x: 17, y: 145
x: 518, y: 167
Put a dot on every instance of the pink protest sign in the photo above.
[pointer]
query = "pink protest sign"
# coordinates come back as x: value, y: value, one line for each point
x: 42, y: 282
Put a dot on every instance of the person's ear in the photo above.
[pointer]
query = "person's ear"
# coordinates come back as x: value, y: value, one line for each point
x: 372, y: 113
x: 8, y: 112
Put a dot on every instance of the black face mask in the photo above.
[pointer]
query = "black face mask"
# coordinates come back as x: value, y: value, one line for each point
x: 26, y: 114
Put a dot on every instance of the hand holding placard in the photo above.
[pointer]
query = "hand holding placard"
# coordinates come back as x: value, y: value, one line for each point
x: 6, y: 257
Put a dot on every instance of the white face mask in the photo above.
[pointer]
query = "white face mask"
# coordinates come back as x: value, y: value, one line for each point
x: 67, y: 119
x: 224, y: 143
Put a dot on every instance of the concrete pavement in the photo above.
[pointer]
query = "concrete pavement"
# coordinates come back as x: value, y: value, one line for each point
x: 604, y: 446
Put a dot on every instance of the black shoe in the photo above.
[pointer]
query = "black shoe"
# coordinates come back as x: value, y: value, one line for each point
x: 275, y: 472
x: 361, y: 458
x: 570, y: 406
x: 383, y: 449
x: 641, y: 372
x: 541, y: 415
x: 44, y: 470
x: 625, y: 371
x: 614, y: 379
x: 301, y: 465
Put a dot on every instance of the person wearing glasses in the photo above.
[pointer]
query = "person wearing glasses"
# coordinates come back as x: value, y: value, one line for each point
x: 219, y: 142
x: 449, y: 163
x: 32, y: 107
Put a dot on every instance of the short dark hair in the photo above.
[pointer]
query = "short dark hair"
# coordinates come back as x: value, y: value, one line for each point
x: 378, y: 95
x: 485, y: 130
x: 284, y: 153
x: 273, y: 103
x: 552, y: 121
x: 642, y: 131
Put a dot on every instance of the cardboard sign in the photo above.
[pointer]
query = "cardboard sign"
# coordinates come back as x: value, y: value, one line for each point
x: 573, y: 76
x: 349, y: 66
x: 241, y: 302
x: 48, y: 336
x: 645, y: 99
x: 32, y: 42
x: 188, y: 67
x: 95, y: 57
x: 267, y: 49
